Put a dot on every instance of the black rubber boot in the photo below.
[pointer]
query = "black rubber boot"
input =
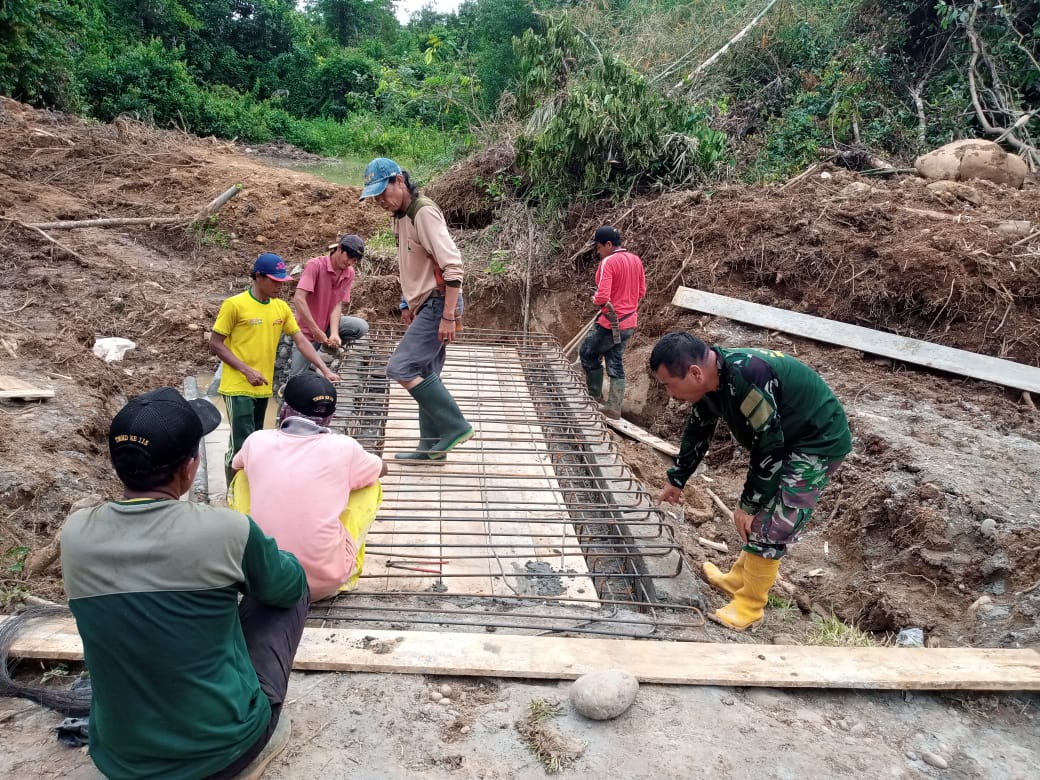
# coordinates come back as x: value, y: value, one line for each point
x: 594, y: 380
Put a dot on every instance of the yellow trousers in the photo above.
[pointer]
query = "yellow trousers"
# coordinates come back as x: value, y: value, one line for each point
x: 357, y: 518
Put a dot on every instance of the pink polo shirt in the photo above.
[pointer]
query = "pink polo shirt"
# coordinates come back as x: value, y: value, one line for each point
x: 325, y: 287
x: 299, y: 484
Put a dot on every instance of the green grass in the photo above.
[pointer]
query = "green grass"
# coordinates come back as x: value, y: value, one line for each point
x: 832, y: 632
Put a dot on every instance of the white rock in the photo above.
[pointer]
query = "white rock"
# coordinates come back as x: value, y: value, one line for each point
x: 604, y: 694
x: 445, y: 690
x: 935, y: 760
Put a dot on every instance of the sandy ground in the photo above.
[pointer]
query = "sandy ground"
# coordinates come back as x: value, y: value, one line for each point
x: 384, y: 726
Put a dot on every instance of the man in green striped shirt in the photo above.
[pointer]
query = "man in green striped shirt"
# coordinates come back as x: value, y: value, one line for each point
x: 188, y: 681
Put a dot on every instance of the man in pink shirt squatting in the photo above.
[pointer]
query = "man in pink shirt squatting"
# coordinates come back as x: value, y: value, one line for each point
x: 314, y: 491
x: 620, y: 285
x: 323, y: 288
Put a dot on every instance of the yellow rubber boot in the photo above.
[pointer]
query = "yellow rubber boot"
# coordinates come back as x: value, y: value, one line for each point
x: 729, y: 582
x: 749, y: 603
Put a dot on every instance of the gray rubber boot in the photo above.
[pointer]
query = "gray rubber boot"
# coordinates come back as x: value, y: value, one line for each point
x: 428, y: 436
x: 594, y: 380
x: 612, y: 408
x: 434, y: 398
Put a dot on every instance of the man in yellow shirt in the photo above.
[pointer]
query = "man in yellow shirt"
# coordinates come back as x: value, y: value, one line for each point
x: 245, y: 337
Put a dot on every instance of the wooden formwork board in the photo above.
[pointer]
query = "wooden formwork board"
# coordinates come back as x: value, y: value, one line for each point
x: 483, y: 513
x: 677, y: 663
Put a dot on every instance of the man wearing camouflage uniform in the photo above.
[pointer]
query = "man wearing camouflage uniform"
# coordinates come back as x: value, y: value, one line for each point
x: 797, y: 434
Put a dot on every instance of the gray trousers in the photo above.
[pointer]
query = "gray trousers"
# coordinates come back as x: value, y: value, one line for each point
x: 350, y: 329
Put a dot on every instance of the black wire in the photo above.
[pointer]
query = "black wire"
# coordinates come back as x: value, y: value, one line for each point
x: 71, y: 702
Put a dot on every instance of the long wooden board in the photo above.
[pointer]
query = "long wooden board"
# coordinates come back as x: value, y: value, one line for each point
x: 13, y: 387
x: 923, y: 353
x: 678, y: 663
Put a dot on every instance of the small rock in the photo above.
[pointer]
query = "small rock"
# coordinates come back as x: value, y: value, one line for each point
x: 444, y: 702
x: 727, y: 701
x: 260, y: 239
x: 604, y: 694
x: 988, y: 527
x: 911, y: 755
x: 435, y: 696
x: 785, y: 639
x: 910, y: 637
x: 935, y: 760
x: 445, y: 690
x: 996, y: 566
x: 464, y: 730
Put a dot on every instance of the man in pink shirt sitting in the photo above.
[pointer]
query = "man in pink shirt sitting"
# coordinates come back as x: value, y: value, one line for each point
x: 323, y: 288
x: 314, y: 491
x: 620, y: 285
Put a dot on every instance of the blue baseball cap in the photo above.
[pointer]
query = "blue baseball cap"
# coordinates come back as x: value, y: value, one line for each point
x: 377, y: 174
x: 272, y: 266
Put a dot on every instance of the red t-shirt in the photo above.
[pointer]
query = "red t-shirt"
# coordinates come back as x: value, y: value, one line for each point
x: 621, y: 281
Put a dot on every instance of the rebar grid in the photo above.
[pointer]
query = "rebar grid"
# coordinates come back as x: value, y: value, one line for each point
x: 536, y: 522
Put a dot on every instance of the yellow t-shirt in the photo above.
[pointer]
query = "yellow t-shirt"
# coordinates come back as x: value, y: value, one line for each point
x: 251, y: 330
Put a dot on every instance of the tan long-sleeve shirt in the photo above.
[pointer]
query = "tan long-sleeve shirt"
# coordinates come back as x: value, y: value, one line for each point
x: 421, y: 245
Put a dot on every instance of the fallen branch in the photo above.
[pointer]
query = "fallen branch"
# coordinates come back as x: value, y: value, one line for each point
x: 208, y: 211
x: 1027, y: 239
x: 56, y: 243
x: 72, y: 224
x: 720, y: 546
x: 720, y: 504
x: 735, y: 39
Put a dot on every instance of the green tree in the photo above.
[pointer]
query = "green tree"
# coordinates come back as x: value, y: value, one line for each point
x: 40, y: 44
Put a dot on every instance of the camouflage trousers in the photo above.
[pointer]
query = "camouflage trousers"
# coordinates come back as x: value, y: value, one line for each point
x: 778, y: 524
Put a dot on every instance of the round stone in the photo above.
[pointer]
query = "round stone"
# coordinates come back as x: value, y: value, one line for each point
x: 935, y: 760
x: 604, y: 694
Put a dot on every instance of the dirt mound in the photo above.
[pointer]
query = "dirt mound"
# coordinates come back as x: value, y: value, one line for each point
x: 470, y: 191
x: 895, y: 256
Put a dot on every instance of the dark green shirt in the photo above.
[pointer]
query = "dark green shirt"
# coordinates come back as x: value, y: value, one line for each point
x: 154, y: 588
x: 774, y: 405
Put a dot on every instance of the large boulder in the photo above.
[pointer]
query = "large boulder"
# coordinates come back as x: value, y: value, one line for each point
x: 972, y: 158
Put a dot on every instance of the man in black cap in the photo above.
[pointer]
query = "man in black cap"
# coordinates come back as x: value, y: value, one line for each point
x: 316, y: 492
x: 620, y: 285
x: 321, y: 293
x: 187, y: 680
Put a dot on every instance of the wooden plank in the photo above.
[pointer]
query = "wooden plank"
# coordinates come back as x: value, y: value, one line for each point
x: 633, y: 431
x: 13, y: 387
x: 923, y: 353
x: 675, y: 663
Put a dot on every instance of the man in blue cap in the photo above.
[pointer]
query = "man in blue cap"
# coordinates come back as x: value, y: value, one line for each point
x: 431, y: 271
x: 245, y: 337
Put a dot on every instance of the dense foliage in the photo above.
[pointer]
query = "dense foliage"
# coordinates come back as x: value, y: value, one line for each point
x: 600, y: 97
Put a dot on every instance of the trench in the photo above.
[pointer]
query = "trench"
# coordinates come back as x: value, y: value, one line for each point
x: 535, y: 526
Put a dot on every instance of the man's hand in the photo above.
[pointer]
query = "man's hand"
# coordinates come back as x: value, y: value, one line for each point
x: 334, y: 341
x: 671, y: 494
x: 407, y: 316
x: 742, y: 520
x: 446, y: 331
x: 330, y: 376
x: 254, y: 377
